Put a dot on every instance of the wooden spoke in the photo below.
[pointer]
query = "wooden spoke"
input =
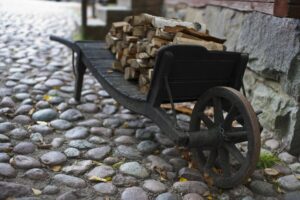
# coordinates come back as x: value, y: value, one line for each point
x: 211, y: 159
x: 201, y: 155
x: 233, y: 150
x: 206, y: 120
x: 218, y: 111
x: 230, y: 117
x: 237, y: 136
x: 224, y: 161
x: 240, y: 119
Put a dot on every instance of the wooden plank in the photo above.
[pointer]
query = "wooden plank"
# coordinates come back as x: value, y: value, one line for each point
x: 92, y: 45
x: 101, y: 54
x: 101, y: 69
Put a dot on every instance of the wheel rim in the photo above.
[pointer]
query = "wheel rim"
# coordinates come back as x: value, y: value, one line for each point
x: 233, y: 158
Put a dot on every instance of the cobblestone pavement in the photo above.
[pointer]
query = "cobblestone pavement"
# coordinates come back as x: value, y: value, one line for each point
x: 53, y: 148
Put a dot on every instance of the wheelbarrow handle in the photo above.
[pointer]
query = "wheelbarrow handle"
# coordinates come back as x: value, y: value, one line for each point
x: 72, y: 45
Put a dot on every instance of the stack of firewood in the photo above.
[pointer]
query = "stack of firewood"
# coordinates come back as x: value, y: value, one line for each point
x: 136, y: 41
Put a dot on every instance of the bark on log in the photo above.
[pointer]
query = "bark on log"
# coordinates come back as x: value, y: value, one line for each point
x: 208, y: 45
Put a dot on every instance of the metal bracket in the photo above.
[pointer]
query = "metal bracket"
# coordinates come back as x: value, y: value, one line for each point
x: 174, y: 119
x: 75, y: 66
x: 75, y: 50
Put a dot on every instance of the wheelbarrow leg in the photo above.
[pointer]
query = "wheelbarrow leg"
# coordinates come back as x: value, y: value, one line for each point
x: 80, y: 68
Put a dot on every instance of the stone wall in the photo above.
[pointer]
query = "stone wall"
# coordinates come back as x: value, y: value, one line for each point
x: 272, y: 80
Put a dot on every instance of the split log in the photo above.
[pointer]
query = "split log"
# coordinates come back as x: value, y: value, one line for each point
x: 161, y: 22
x: 179, y: 108
x: 131, y: 74
x: 117, y: 66
x: 119, y: 55
x: 142, y: 55
x: 142, y: 45
x: 160, y: 33
x: 208, y: 45
x: 119, y: 46
x: 128, y: 19
x: 151, y: 34
x: 139, y: 31
x: 130, y: 39
x: 125, y: 52
x: 111, y: 40
x: 143, y: 19
x: 124, y: 60
x: 139, y: 63
x: 132, y: 49
x: 158, y: 42
x: 203, y: 36
x: 113, y: 49
x: 145, y: 88
x: 134, y: 64
x: 143, y: 80
x: 145, y: 64
x: 153, y: 52
x: 127, y: 28
x: 183, y: 35
x: 119, y: 25
x: 194, y: 33
x: 150, y: 74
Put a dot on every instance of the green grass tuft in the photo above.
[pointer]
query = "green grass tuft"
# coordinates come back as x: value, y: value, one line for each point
x: 267, y: 160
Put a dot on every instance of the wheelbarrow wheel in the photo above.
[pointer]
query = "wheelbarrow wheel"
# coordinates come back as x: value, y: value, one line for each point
x: 234, y: 156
